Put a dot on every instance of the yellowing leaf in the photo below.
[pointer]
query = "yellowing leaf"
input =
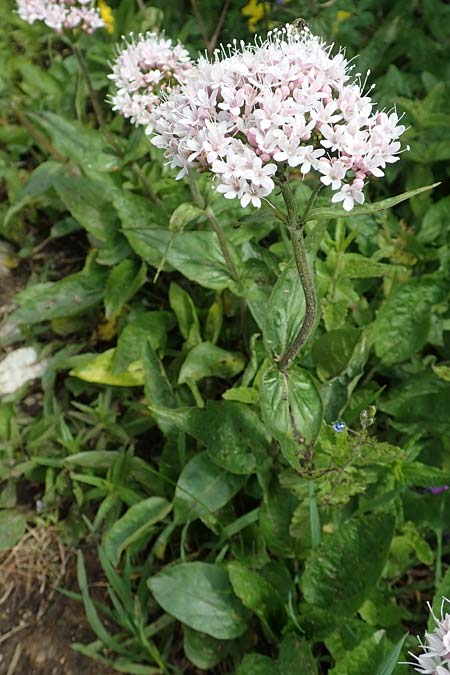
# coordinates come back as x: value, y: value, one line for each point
x: 99, y: 371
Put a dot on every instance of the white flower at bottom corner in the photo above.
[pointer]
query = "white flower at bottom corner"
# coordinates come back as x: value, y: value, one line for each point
x: 19, y: 367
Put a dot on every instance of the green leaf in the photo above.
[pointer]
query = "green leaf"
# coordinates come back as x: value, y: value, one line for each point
x: 12, y: 528
x: 40, y: 180
x: 434, y: 224
x: 258, y: 595
x: 332, y: 351
x: 208, y: 360
x: 234, y: 435
x: 357, y: 266
x: 142, y: 327
x: 391, y: 661
x: 158, y: 390
x: 336, y: 212
x: 442, y: 370
x: 203, y: 488
x: 122, y: 284
x: 184, y: 308
x: 99, y: 371
x: 87, y: 147
x: 70, y: 296
x: 246, y: 395
x: 200, y: 595
x: 257, y: 664
x: 196, y: 255
x: 296, y: 656
x: 292, y: 410
x: 137, y: 522
x: 329, y: 580
x: 403, y: 321
x: 285, y: 311
x: 202, y: 650
x: 183, y: 215
x: 365, y: 658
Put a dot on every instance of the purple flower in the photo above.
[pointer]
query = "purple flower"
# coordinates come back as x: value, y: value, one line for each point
x: 437, y: 489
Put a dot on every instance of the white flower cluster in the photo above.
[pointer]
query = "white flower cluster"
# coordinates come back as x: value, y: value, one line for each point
x: 435, y: 659
x: 286, y: 101
x: 143, y: 69
x: 62, y: 14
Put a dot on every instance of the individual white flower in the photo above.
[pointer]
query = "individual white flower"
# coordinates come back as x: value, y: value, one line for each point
x: 144, y: 68
x: 62, y: 14
x: 350, y: 194
x: 285, y: 102
x: 18, y: 368
x: 333, y: 173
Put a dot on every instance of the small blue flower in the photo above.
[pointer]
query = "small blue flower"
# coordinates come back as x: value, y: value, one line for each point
x: 339, y: 426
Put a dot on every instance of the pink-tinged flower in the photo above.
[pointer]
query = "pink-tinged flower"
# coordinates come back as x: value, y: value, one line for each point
x: 349, y: 194
x: 255, y: 110
x: 435, y: 659
x: 143, y: 69
x: 62, y: 15
x: 333, y: 173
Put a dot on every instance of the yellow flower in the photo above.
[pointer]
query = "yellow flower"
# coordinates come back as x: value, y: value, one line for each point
x: 256, y: 11
x: 341, y: 15
x: 107, y: 15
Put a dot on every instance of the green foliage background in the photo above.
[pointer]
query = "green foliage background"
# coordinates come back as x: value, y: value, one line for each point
x: 154, y: 435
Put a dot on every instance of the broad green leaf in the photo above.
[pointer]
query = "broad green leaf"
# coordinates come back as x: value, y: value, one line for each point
x: 336, y: 393
x: 141, y: 327
x: 183, y: 215
x: 184, y: 308
x: 134, y: 210
x: 70, y: 296
x: 416, y: 474
x: 203, y: 488
x: 200, y: 595
x: 208, y: 360
x: 123, y: 282
x: 214, y: 321
x: 202, y: 650
x: 357, y: 266
x: 329, y: 580
x: 87, y: 147
x: 89, y: 204
x: 285, y: 311
x: 403, y: 321
x: 158, y: 390
x: 292, y: 410
x: 296, y: 656
x: 12, y: 527
x: 337, y: 212
x: 258, y: 595
x: 99, y: 371
x: 233, y: 435
x: 275, y: 517
x: 365, y: 658
x: 246, y: 395
x: 332, y: 351
x: 435, y: 223
x: 196, y: 255
x: 258, y: 664
x: 39, y: 181
x: 134, y: 524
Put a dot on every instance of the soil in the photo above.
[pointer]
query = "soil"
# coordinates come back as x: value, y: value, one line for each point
x: 38, y: 626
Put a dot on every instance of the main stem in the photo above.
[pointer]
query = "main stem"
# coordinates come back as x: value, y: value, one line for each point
x: 296, y: 225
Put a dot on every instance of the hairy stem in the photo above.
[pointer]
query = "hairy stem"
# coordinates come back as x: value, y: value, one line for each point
x: 295, y: 225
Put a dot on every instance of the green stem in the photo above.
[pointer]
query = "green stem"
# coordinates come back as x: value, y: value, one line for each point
x: 438, y: 570
x: 295, y: 225
x: 217, y: 227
